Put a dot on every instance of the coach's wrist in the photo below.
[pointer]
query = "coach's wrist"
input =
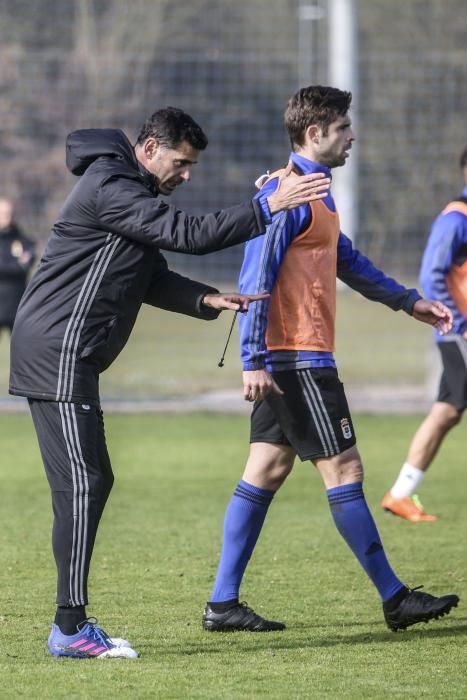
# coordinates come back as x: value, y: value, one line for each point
x: 263, y: 201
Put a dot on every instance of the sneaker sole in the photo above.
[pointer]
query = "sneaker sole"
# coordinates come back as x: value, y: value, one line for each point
x: 127, y: 653
x: 422, y: 519
x: 216, y: 628
x: 426, y: 618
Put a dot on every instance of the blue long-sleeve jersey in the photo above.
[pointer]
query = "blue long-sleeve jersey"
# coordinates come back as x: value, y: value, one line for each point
x: 446, y: 247
x: 262, y: 260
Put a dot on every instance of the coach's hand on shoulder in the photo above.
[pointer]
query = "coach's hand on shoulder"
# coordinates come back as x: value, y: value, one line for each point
x: 434, y: 313
x: 232, y: 300
x: 291, y: 192
x: 257, y: 384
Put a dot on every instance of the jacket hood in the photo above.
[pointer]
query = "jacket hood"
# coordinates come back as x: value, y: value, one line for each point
x: 84, y: 146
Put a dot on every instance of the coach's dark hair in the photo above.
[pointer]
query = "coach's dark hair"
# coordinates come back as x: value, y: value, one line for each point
x: 315, y: 104
x: 463, y: 159
x: 170, y: 126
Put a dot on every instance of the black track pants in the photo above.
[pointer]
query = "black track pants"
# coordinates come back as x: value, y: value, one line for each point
x: 72, y: 443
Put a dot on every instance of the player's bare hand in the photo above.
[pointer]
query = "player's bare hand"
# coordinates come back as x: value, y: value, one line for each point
x: 434, y: 313
x: 291, y: 192
x: 232, y: 300
x: 257, y: 384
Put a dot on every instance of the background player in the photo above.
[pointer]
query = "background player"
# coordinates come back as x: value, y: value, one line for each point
x: 443, y: 276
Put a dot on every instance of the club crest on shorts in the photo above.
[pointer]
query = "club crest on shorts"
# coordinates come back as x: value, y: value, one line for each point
x: 346, y: 429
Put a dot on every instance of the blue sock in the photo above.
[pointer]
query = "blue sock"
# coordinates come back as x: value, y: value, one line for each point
x: 356, y: 525
x: 243, y: 521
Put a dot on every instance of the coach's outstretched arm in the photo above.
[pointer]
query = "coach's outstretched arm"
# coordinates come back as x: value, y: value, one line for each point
x: 124, y: 207
x: 173, y: 292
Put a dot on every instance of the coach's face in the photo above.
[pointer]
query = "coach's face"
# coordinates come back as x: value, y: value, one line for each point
x: 332, y: 149
x: 171, y: 167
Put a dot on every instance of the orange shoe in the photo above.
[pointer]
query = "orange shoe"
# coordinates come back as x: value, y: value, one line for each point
x: 408, y: 508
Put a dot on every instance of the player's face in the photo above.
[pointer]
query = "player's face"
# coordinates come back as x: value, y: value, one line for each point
x: 333, y: 148
x: 171, y: 167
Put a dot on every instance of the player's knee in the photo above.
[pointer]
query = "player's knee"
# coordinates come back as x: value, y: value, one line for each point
x: 341, y: 470
x: 269, y: 466
x: 448, y: 416
x: 275, y: 472
x: 280, y: 470
x: 453, y: 420
x: 349, y: 468
x: 352, y: 472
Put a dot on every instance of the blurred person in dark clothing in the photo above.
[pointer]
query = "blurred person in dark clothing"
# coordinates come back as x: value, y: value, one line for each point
x: 16, y: 259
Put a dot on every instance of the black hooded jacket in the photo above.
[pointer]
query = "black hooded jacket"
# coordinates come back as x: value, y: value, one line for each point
x: 102, y: 262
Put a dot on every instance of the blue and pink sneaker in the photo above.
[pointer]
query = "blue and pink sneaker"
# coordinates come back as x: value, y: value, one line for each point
x: 89, y: 642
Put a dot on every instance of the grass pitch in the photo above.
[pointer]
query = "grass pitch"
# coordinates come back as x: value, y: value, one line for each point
x: 157, y: 552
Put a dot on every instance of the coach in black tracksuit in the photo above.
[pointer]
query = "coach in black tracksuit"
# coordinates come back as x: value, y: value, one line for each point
x: 101, y: 263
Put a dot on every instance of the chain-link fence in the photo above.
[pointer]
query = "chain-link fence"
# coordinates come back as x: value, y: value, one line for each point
x: 233, y: 65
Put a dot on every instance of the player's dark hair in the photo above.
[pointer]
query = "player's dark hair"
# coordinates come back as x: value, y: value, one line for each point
x: 170, y: 126
x: 315, y: 104
x: 463, y: 159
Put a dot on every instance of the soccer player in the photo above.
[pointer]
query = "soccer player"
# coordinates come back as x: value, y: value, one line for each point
x: 300, y: 408
x: 101, y: 263
x: 443, y: 276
